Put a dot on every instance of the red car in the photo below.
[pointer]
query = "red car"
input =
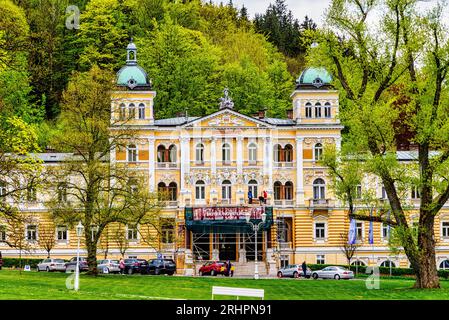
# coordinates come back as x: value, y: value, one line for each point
x: 212, y: 267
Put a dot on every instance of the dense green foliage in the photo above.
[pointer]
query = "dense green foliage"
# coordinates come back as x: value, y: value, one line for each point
x: 190, y: 49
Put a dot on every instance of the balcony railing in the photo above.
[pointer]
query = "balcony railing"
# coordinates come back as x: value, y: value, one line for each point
x: 320, y: 204
x: 162, y: 165
x: 284, y: 164
x: 284, y: 203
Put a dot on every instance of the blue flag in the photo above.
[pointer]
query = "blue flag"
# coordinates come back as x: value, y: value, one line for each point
x: 371, y: 231
x: 352, y: 236
x: 388, y: 226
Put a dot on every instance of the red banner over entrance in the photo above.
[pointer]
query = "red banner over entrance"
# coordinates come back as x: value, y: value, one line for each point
x: 227, y: 213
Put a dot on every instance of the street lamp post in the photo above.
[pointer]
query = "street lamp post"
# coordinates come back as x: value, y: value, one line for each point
x: 79, y: 233
x: 255, y: 227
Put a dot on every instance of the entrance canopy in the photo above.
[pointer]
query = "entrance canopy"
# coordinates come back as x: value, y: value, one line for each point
x: 226, y: 219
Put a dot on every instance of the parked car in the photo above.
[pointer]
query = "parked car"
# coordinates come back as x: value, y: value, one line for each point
x: 133, y: 265
x: 161, y: 266
x: 294, y: 271
x: 71, y: 265
x: 212, y: 267
x: 51, y: 265
x: 108, y: 266
x: 333, y: 272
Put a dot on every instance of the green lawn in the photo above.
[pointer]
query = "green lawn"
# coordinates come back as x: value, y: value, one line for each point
x: 34, y: 285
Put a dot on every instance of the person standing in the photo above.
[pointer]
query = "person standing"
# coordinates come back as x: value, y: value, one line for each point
x: 122, y: 266
x: 265, y: 197
x: 250, y: 197
x: 228, y: 268
x: 304, y: 269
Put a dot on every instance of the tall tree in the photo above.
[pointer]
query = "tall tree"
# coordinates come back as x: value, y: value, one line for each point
x: 409, y: 47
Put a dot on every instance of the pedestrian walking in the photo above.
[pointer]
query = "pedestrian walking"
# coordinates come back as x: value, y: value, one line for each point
x: 122, y: 266
x: 304, y: 269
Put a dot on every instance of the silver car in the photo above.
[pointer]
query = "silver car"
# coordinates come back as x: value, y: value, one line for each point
x: 294, y: 271
x: 108, y: 266
x: 333, y: 272
x: 51, y: 265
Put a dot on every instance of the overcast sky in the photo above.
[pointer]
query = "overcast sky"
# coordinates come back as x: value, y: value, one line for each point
x: 300, y: 8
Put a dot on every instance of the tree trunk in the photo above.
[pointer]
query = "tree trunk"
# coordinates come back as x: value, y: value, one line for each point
x: 92, y: 258
x: 427, y: 274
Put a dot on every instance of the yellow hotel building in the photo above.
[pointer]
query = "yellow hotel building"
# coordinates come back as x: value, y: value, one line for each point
x: 210, y: 164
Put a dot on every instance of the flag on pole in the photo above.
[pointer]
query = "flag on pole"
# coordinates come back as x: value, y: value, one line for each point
x: 352, y: 236
x: 371, y: 231
x: 388, y: 227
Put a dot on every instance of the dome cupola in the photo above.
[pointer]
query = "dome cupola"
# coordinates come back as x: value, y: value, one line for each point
x: 314, y: 77
x: 132, y: 75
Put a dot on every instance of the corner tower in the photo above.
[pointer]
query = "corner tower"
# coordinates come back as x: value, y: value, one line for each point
x: 133, y: 101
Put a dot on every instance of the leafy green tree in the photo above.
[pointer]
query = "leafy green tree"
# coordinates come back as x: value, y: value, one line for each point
x: 408, y: 48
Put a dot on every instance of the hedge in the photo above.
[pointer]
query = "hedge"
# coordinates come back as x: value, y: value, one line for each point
x: 15, y: 262
x: 382, y: 270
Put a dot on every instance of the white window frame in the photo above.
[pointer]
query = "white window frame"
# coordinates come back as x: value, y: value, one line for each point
x: 200, y: 191
x: 318, y: 151
x: 442, y: 227
x: 226, y: 190
x: 36, y: 233
x: 321, y: 190
x: 226, y: 152
x: 362, y: 228
x: 135, y: 232
x: 141, y: 112
x: 320, y: 257
x: 327, y: 110
x: 132, y: 111
x: 308, y: 110
x: 132, y: 154
x: 199, y: 152
x: 59, y: 229
x: 252, y: 152
x: 317, y: 110
x: 384, y: 226
x: 414, y: 194
x: 320, y: 239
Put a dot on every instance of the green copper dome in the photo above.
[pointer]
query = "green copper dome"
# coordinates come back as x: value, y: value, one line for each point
x: 314, y: 76
x: 132, y: 73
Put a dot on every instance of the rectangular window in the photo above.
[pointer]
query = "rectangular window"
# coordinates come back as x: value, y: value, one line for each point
x: 320, y: 259
x: 61, y: 233
x: 359, y: 231
x: 131, y: 234
x: 168, y: 232
x: 445, y: 229
x: 200, y: 192
x: 385, y: 231
x: 226, y: 192
x: 31, y: 233
x: 320, y: 231
x: 132, y: 154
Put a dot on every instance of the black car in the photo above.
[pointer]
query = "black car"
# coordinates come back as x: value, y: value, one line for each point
x: 161, y: 266
x: 136, y: 266
x: 71, y: 265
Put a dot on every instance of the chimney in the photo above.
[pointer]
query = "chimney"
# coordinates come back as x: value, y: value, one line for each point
x: 261, y: 114
x: 290, y: 114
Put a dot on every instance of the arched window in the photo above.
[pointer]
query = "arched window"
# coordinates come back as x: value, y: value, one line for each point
x: 277, y: 153
x: 317, y: 110
x: 252, y: 152
x: 200, y: 190
x: 132, y: 111
x: 387, y: 264
x: 309, y: 110
x: 122, y: 115
x: 318, y: 151
x: 226, y: 153
x: 277, y: 190
x: 327, y: 110
x: 172, y: 152
x: 161, y: 153
x: 132, y: 153
x: 199, y: 153
x: 444, y: 265
x: 252, y: 186
x: 288, y: 190
x: 162, y: 191
x: 226, y: 190
x: 358, y: 263
x: 141, y: 111
x: 288, y: 151
x: 172, y: 191
x: 319, y: 189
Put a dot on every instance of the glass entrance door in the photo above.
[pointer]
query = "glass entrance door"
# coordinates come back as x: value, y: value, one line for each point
x: 227, y: 244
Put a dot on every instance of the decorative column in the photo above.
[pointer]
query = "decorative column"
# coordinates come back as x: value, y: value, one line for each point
x: 299, y: 171
x: 185, y: 161
x: 213, y: 155
x: 151, y: 163
x: 239, y: 155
